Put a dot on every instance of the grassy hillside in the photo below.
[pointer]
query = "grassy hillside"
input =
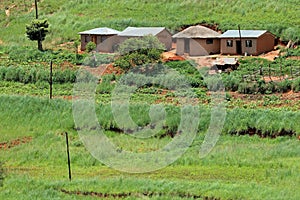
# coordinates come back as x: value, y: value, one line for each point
x: 239, y: 167
x: 67, y: 18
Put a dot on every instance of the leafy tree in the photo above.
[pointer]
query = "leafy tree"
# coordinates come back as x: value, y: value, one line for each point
x: 37, y: 30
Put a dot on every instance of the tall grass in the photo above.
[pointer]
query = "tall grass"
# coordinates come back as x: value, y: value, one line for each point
x: 37, y: 116
x: 67, y: 18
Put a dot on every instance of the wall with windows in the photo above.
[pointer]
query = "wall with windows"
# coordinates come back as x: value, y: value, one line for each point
x: 104, y: 43
x: 251, y: 46
x: 198, y: 47
x: 229, y: 46
x: 203, y: 47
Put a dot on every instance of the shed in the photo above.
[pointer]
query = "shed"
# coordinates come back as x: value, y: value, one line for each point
x: 163, y: 35
x: 104, y: 38
x: 250, y: 42
x: 197, y: 41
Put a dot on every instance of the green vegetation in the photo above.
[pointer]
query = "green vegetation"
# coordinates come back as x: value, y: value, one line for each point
x: 90, y: 46
x: 263, y: 76
x: 240, y: 167
x: 37, y: 31
x: 256, y: 157
x: 1, y: 174
x: 139, y: 51
x: 67, y: 18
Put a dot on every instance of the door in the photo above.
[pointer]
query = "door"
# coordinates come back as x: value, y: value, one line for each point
x: 186, y: 45
x: 94, y: 39
x: 238, y: 47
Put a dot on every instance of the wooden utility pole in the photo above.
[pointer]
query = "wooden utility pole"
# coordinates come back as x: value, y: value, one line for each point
x: 240, y: 43
x: 50, y: 80
x: 36, y: 9
x: 68, y: 153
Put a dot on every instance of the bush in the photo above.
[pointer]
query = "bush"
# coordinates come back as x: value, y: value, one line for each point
x: 139, y: 51
x: 97, y: 59
x: 90, y: 46
x: 296, y: 85
x: 284, y: 86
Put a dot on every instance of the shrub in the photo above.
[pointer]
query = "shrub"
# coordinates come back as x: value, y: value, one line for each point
x: 139, y: 51
x: 90, y: 46
x: 284, y: 86
x: 97, y: 59
x: 296, y: 85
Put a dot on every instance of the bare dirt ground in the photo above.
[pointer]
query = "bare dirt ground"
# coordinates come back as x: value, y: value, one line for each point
x: 284, y: 96
x: 171, y: 56
x: 209, y: 61
x: 272, y: 55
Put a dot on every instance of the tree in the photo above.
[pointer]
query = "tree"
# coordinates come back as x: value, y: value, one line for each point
x: 37, y: 30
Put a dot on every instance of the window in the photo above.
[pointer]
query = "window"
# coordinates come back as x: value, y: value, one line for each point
x: 85, y: 38
x: 209, y: 41
x: 248, y: 43
x: 229, y: 43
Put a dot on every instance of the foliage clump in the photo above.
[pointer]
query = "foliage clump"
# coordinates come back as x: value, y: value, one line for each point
x: 139, y: 51
x: 1, y: 175
x: 90, y: 46
x: 37, y: 31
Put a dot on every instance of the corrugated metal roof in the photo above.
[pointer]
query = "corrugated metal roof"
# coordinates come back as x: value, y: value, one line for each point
x: 101, y: 31
x: 244, y: 33
x: 141, y: 31
x: 197, y: 32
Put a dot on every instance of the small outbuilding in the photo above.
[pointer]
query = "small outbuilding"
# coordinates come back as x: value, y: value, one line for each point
x: 197, y: 41
x: 104, y: 38
x: 163, y: 35
x: 250, y: 42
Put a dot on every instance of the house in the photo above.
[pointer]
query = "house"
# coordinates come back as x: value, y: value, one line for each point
x: 250, y: 42
x: 197, y: 41
x: 163, y: 35
x: 104, y: 38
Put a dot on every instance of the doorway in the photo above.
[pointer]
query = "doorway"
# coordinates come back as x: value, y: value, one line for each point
x: 238, y: 47
x: 186, y: 45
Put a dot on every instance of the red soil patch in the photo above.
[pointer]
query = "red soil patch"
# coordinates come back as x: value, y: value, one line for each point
x: 104, y: 69
x: 272, y: 55
x: 169, y: 56
x: 13, y: 143
x: 294, y: 58
x: 110, y: 69
x: 274, y: 78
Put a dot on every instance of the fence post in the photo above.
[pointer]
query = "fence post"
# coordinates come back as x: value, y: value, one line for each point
x: 68, y: 153
x: 270, y: 73
x: 50, y: 81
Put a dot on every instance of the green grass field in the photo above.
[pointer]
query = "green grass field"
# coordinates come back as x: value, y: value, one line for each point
x: 67, y: 18
x: 256, y: 157
x: 239, y: 167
